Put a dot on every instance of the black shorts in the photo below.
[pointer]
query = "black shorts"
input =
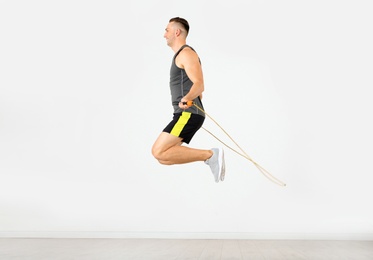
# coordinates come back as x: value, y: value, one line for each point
x: 184, y: 125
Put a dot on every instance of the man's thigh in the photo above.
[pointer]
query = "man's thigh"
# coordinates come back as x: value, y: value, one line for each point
x: 165, y: 141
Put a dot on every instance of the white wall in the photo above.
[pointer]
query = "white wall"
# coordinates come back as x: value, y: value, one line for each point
x: 84, y: 93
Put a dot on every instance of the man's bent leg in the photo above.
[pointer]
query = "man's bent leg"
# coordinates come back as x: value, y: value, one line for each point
x: 167, y: 149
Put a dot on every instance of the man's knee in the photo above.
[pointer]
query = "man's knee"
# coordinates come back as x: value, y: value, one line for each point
x: 164, y: 142
x: 159, y: 157
x: 156, y: 153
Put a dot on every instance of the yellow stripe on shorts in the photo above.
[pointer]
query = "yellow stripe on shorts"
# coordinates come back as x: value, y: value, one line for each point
x: 179, y: 126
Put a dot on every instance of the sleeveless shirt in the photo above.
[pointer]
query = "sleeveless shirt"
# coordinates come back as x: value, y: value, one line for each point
x: 180, y: 84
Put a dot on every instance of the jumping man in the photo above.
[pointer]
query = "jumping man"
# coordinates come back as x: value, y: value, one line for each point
x: 186, y: 84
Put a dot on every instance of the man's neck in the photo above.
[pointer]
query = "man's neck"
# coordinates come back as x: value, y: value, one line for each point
x: 177, y: 46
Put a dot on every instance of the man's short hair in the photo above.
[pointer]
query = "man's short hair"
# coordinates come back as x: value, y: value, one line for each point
x: 181, y: 21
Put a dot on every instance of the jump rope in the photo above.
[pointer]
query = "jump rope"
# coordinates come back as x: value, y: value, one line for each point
x: 241, y: 152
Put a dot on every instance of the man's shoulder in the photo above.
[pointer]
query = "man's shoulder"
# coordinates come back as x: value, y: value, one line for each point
x: 188, y: 51
x: 188, y: 48
x: 186, y: 56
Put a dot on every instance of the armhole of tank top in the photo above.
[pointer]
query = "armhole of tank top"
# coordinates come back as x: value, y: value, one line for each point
x: 178, y: 52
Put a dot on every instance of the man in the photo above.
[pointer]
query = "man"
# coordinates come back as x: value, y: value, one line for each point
x: 186, y: 84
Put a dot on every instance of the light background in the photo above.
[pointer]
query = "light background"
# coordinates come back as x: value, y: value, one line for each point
x: 84, y: 94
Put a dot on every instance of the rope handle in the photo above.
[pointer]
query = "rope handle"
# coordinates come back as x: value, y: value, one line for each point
x: 188, y: 103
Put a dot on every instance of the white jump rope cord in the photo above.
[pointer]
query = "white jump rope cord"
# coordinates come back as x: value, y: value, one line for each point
x: 242, y: 153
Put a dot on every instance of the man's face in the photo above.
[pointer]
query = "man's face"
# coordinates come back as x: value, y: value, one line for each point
x: 169, y: 34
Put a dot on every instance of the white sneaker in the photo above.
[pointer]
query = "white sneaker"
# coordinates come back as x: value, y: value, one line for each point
x: 217, y: 164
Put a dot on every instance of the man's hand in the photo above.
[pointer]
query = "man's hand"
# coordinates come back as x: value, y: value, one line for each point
x: 184, y: 104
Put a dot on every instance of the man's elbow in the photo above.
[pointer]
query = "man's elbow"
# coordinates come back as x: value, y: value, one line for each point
x: 201, y: 87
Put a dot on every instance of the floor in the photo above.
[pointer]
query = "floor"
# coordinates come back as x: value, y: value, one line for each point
x: 165, y: 249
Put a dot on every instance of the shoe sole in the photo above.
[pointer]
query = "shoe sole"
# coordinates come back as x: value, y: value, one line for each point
x: 220, y: 160
x: 222, y: 173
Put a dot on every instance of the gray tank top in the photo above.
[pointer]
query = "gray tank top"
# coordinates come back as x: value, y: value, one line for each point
x: 180, y: 85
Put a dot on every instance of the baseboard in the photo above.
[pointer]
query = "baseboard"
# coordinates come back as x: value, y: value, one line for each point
x: 186, y: 235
